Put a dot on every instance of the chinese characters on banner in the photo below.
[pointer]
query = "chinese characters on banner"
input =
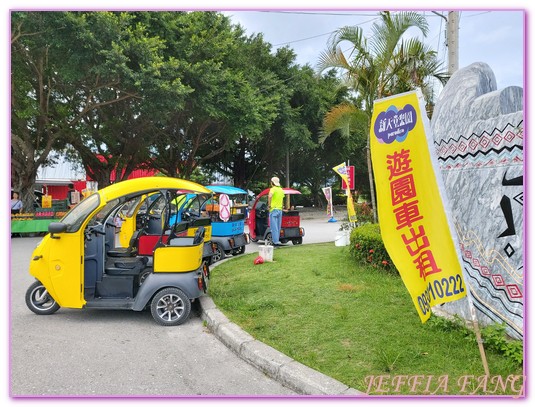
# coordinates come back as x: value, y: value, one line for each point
x: 327, y: 191
x: 341, y: 170
x: 413, y: 222
x: 350, y: 169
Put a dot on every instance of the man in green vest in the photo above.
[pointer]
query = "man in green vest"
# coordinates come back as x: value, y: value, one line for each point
x: 275, y: 200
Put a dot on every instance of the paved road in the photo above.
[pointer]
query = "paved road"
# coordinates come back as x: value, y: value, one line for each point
x: 317, y: 230
x: 125, y: 353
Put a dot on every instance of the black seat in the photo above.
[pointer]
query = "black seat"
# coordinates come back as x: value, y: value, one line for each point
x: 129, y: 263
x: 130, y: 251
x: 198, y: 237
x: 177, y: 229
x: 154, y: 225
x: 236, y: 217
x: 126, y: 266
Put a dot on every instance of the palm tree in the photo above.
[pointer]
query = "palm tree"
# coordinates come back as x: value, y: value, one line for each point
x: 419, y: 64
x: 376, y: 67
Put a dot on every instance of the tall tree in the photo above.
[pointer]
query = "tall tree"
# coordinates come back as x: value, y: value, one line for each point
x: 67, y: 66
x: 384, y: 64
x: 34, y: 130
x: 223, y: 101
x: 262, y: 115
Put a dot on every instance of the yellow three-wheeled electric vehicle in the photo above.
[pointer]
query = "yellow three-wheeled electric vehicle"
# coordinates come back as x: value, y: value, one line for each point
x: 80, y: 263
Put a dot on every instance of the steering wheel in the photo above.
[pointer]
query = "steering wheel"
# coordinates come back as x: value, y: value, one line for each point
x: 187, y: 215
x: 93, y: 230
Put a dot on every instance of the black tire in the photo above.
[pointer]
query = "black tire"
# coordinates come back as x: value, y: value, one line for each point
x: 39, y: 300
x: 170, y: 307
x: 254, y: 239
x: 268, y: 239
x: 219, y: 253
x: 299, y: 240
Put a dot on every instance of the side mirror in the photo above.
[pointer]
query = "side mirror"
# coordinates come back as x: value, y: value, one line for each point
x: 56, y: 227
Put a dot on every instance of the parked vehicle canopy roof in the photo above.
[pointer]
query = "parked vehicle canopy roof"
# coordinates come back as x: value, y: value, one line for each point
x: 226, y: 189
x: 150, y: 184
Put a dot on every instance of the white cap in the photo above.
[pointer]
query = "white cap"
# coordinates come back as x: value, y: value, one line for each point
x: 276, y: 181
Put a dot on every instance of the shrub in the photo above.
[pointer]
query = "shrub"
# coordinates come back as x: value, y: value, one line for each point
x: 364, y: 213
x: 366, y: 245
x: 494, y: 337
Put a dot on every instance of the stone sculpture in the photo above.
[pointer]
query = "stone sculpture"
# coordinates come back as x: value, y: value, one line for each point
x: 478, y: 137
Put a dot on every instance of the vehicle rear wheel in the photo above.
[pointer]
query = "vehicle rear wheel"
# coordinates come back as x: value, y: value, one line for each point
x: 269, y: 239
x: 219, y: 253
x: 170, y: 307
x: 298, y: 240
x: 39, y: 300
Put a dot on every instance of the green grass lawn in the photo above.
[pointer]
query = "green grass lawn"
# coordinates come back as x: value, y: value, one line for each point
x: 353, y: 323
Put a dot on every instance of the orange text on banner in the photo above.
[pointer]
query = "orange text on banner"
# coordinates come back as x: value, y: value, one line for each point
x: 413, y: 222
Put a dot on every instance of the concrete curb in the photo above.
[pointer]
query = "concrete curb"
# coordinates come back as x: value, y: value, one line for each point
x: 278, y: 366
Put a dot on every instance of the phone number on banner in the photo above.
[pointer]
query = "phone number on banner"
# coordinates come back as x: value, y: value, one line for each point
x: 438, y: 289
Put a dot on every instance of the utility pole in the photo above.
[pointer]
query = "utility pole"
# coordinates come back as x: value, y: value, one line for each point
x: 288, y: 175
x: 452, y: 39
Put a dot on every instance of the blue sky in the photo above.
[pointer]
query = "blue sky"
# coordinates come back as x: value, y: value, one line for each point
x: 490, y: 36
x: 487, y: 34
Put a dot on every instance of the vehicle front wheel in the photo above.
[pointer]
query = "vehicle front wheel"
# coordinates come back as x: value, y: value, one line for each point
x: 39, y: 300
x: 170, y: 307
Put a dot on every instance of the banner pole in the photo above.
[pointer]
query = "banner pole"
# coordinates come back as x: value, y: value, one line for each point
x: 476, y: 330
x: 332, y: 211
x: 401, y: 169
x: 455, y: 238
x: 453, y: 232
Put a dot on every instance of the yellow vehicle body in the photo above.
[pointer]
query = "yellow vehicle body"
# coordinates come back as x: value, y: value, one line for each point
x: 58, y: 264
x: 58, y: 261
x: 207, y: 231
x: 178, y: 259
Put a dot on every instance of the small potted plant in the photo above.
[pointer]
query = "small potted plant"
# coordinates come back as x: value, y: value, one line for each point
x: 343, y: 234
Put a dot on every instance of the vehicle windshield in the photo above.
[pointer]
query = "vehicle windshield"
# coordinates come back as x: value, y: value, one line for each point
x: 128, y: 209
x: 105, y: 213
x: 193, y: 206
x: 76, y: 216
